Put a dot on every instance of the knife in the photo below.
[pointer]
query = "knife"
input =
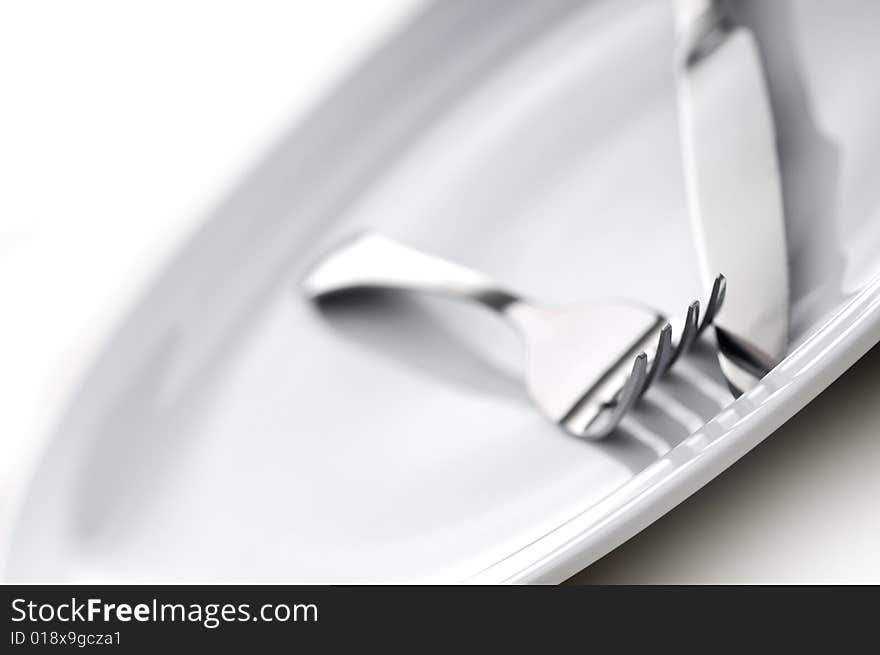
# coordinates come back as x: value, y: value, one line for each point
x: 733, y: 186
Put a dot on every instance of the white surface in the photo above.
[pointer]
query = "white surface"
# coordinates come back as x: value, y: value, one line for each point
x: 98, y: 551
x: 122, y: 126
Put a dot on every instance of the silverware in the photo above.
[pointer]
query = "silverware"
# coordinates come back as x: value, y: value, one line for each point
x: 733, y: 184
x: 586, y: 366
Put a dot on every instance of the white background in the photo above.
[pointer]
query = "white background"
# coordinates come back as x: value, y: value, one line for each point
x: 121, y: 125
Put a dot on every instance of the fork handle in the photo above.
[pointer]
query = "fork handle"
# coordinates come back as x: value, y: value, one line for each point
x: 371, y: 261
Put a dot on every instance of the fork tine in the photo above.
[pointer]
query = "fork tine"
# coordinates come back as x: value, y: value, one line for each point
x: 666, y: 355
x: 662, y: 356
x: 716, y: 299
x: 688, y: 333
x: 630, y: 392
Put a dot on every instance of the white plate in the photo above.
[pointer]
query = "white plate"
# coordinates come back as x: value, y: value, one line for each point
x: 233, y: 432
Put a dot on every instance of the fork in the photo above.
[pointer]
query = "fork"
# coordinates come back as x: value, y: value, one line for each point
x: 586, y: 366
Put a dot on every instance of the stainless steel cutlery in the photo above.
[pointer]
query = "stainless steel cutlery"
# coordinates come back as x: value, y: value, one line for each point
x: 733, y: 184
x: 586, y: 366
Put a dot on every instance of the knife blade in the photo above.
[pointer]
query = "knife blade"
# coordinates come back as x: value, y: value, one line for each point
x: 733, y: 186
